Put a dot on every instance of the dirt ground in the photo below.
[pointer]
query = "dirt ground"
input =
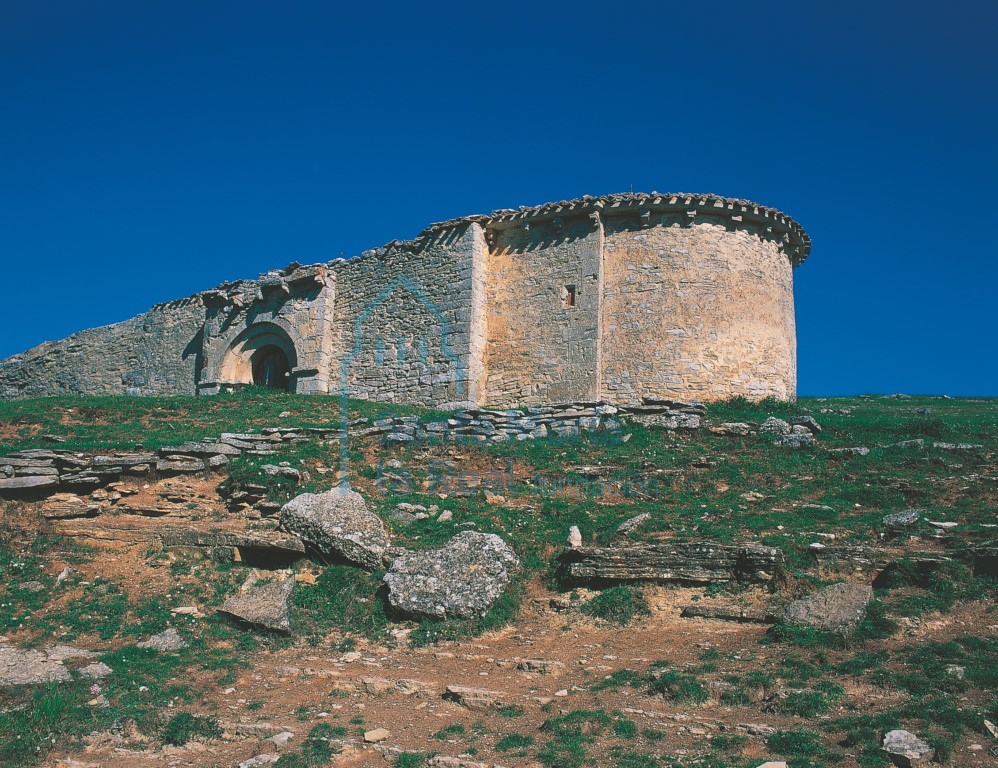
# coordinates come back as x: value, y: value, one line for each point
x: 294, y: 688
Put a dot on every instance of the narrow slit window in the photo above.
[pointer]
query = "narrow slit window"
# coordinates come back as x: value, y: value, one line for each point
x: 568, y: 296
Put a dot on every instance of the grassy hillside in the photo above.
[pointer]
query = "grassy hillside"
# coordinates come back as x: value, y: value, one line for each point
x: 694, y: 486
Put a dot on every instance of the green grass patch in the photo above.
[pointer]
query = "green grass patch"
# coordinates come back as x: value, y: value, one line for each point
x: 618, y: 605
x: 184, y: 727
x: 514, y: 742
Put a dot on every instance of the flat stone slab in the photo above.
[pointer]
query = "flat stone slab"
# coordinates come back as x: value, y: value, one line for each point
x: 13, y: 485
x: 96, y: 671
x: 201, y: 449
x: 337, y: 522
x: 691, y: 562
x: 836, y: 608
x: 180, y: 465
x: 264, y: 606
x: 729, y: 613
x: 168, y: 640
x: 478, y: 699
x: 31, y: 666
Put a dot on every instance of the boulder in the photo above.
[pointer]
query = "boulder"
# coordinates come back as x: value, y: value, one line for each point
x: 263, y: 605
x: 906, y: 750
x: 691, y: 562
x: 337, y: 522
x: 461, y: 579
x: 837, y: 608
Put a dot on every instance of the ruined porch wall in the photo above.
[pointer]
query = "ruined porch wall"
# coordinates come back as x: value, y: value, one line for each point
x: 405, y: 322
x: 696, y: 311
x: 156, y: 353
x: 539, y: 350
x: 298, y: 310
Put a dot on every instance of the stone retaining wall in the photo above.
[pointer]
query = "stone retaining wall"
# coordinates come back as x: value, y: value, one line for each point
x: 46, y: 471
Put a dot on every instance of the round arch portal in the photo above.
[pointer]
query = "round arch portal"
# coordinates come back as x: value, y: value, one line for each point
x: 263, y: 355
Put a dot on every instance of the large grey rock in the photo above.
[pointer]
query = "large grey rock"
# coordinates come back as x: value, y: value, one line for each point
x: 905, y: 749
x: 262, y: 605
x: 461, y: 579
x: 694, y: 562
x: 337, y: 522
x: 836, y: 608
x: 34, y: 667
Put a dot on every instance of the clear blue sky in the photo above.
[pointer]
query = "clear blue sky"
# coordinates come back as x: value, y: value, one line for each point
x: 149, y: 150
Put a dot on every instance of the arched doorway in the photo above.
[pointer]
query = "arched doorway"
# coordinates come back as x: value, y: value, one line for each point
x: 271, y: 368
x: 262, y: 354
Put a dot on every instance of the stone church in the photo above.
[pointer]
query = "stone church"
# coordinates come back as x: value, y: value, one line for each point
x: 617, y: 298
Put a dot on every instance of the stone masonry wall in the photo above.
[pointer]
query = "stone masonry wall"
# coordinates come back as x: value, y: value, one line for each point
x: 156, y: 353
x: 696, y: 311
x: 542, y: 302
x: 404, y: 322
